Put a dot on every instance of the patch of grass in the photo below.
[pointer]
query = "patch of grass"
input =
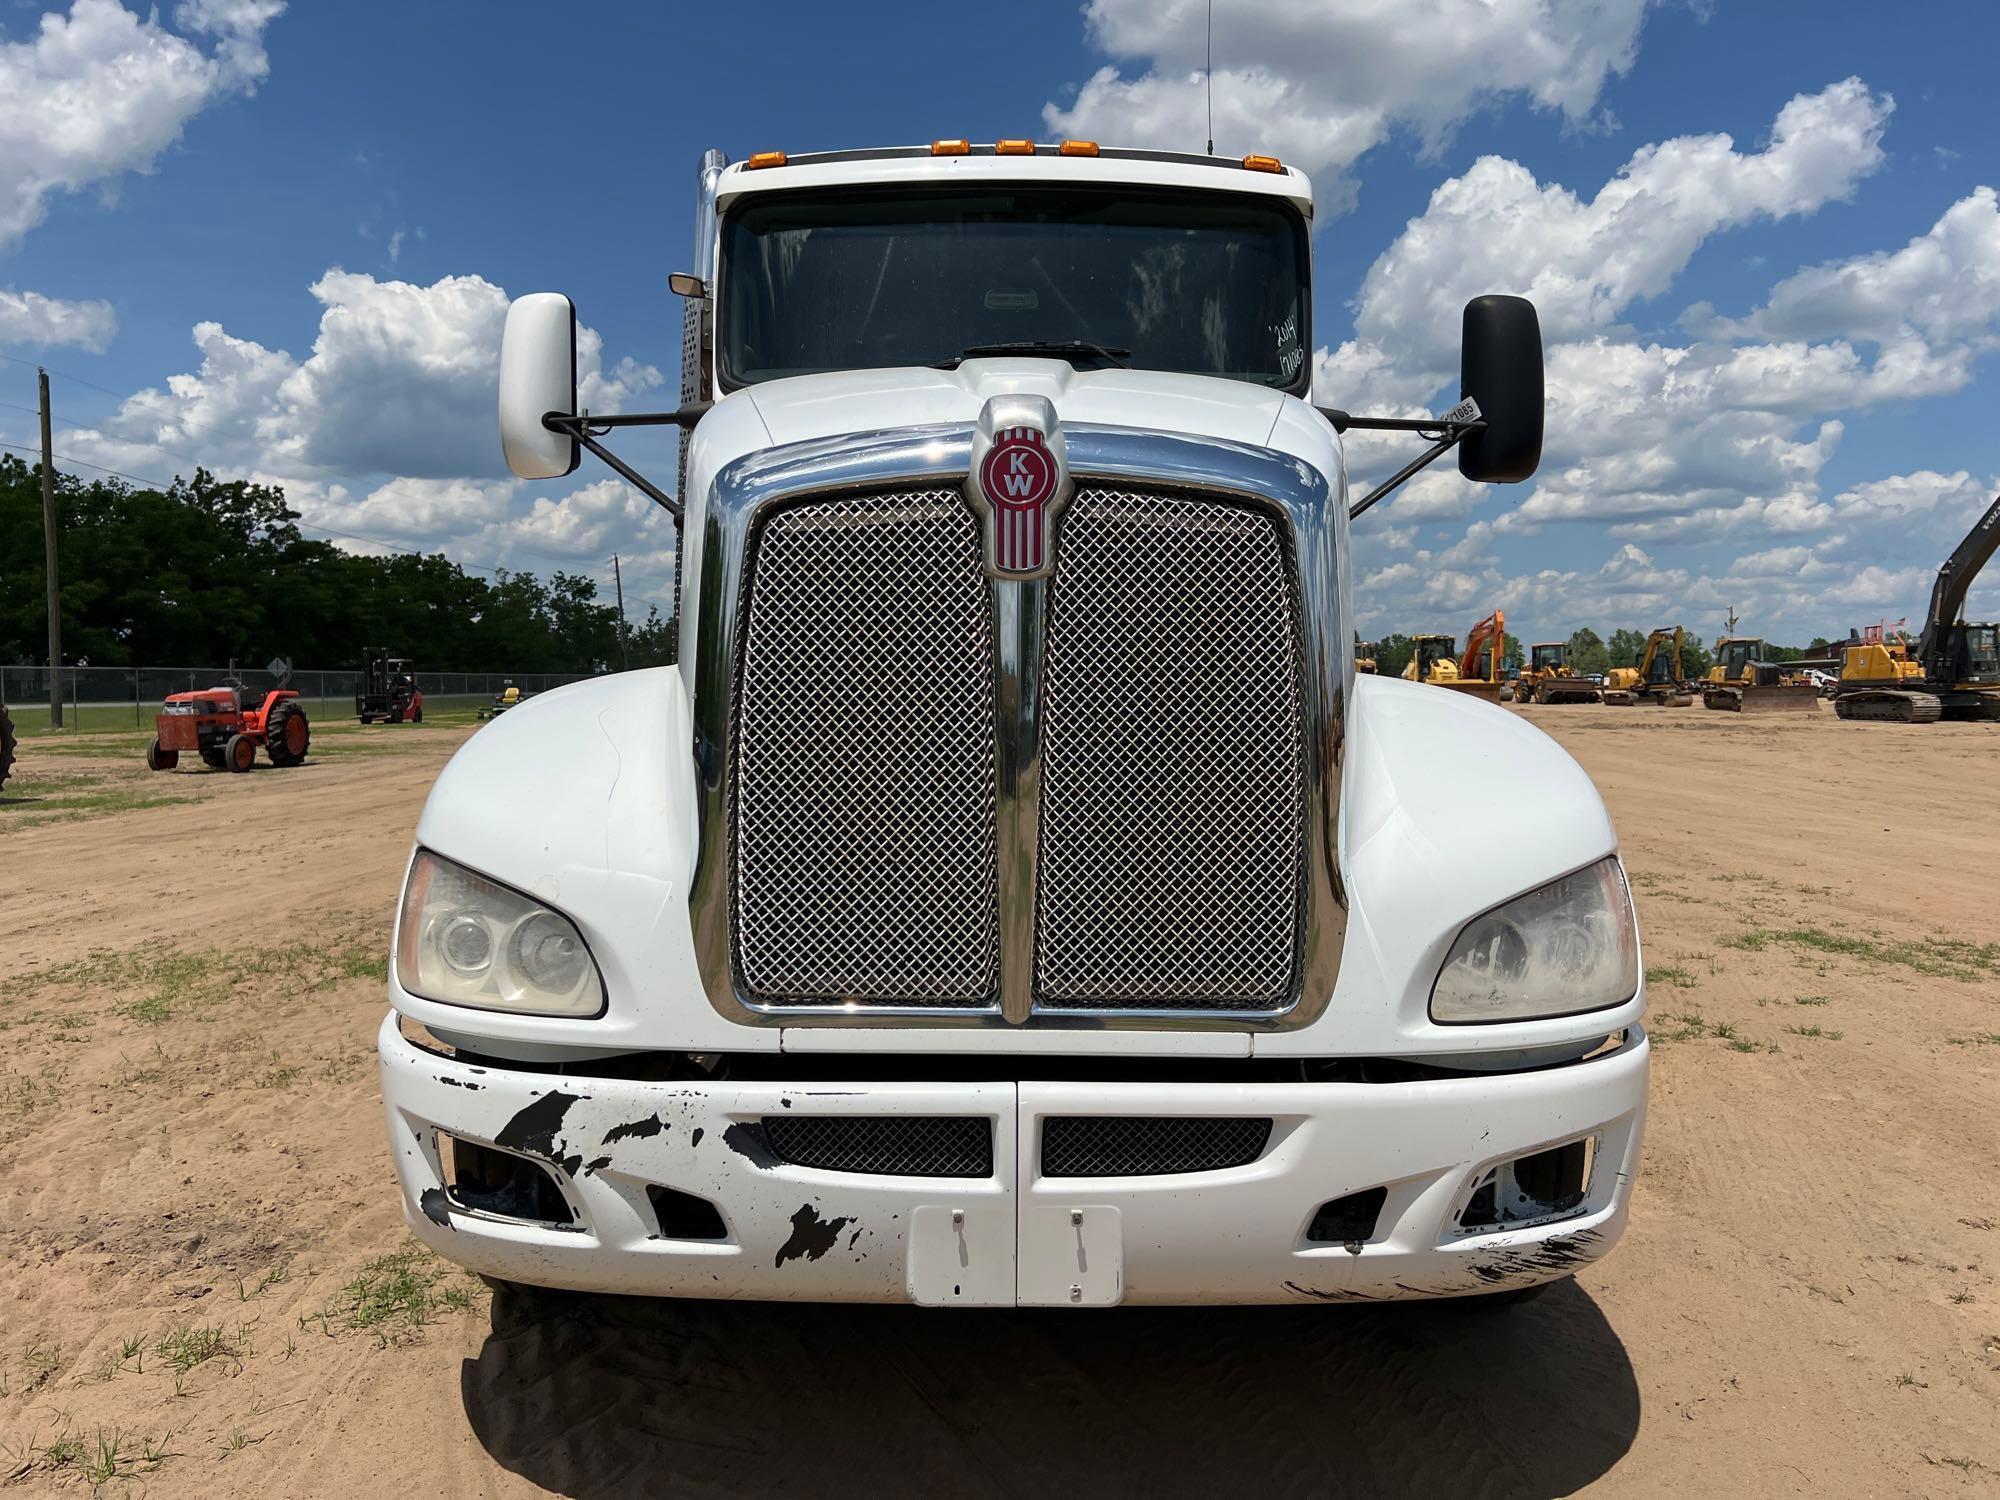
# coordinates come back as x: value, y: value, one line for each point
x: 1809, y: 999
x: 1670, y: 974
x: 395, y: 1296
x: 1945, y: 958
x: 1815, y: 1031
x: 188, y: 1345
x: 1977, y: 1039
x: 1724, y: 1030
x: 28, y: 805
x: 276, y: 1276
x: 280, y: 1078
x: 1961, y: 1296
x: 151, y: 1011
x: 1908, y: 1380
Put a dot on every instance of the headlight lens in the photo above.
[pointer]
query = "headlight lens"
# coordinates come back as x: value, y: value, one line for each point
x: 463, y: 940
x: 1571, y: 946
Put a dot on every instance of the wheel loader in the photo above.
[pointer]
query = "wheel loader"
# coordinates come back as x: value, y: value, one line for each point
x: 1547, y: 678
x: 1658, y: 677
x: 1435, y: 661
x: 1954, y: 670
x: 1743, y: 681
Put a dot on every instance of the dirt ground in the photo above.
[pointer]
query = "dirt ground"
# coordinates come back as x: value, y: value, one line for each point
x: 207, y: 1290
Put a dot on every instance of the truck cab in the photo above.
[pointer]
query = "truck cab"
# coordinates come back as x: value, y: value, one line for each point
x: 1013, y: 896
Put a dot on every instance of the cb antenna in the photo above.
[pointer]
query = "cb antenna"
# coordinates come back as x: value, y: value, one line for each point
x: 1208, y: 77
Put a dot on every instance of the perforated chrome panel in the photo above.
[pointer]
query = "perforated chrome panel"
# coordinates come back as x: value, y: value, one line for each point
x: 1171, y: 816
x: 864, y: 864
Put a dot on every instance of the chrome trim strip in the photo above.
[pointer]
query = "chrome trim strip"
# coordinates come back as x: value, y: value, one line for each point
x: 1290, y: 488
x: 1020, y: 620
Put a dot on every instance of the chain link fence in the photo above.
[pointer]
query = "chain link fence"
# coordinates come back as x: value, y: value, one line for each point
x: 107, y: 698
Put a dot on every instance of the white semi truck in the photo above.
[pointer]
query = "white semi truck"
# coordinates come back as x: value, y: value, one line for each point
x: 1013, y: 897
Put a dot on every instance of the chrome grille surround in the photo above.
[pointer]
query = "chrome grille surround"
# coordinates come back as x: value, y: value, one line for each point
x: 862, y: 837
x: 1307, y: 511
x: 1171, y: 866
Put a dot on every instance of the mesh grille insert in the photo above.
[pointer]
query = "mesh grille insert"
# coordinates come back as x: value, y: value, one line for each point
x: 902, y: 1145
x: 1140, y: 1146
x: 865, y: 863
x: 1172, y: 776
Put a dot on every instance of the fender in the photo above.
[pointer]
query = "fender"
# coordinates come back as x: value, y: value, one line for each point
x: 583, y: 797
x: 1450, y: 806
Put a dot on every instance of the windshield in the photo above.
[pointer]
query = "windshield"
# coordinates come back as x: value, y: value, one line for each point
x: 1200, y: 283
x: 1546, y: 657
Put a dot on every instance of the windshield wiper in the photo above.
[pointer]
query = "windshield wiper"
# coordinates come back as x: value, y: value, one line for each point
x: 1054, y: 348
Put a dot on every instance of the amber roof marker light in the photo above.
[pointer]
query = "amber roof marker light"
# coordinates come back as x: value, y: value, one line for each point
x: 1078, y: 148
x: 950, y: 148
x: 1263, y: 164
x: 1013, y: 148
x: 762, y: 159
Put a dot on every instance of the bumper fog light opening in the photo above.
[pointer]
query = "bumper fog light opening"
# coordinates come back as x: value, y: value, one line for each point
x: 1538, y: 1188
x: 489, y: 1183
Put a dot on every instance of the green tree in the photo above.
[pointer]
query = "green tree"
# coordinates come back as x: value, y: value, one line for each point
x: 1624, y: 647
x: 1393, y: 653
x: 209, y: 570
x: 1696, y: 658
x: 1512, y: 654
x: 1586, y: 653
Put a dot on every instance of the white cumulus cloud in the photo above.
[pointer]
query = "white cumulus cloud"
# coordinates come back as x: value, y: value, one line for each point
x: 29, y: 318
x: 1321, y: 82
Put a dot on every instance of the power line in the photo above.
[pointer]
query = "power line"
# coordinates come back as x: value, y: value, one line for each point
x: 78, y: 379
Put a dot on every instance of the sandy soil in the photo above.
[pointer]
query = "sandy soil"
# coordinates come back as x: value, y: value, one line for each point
x: 205, y: 1290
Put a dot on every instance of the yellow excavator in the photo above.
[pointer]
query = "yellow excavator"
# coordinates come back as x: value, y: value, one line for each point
x: 1742, y: 681
x: 1657, y: 678
x: 1953, y: 672
x: 1547, y: 678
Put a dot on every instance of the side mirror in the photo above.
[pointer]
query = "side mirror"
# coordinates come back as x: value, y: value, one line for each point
x: 538, y: 376
x: 1500, y: 367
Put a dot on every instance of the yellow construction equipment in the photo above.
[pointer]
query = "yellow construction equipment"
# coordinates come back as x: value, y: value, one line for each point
x: 1547, y: 678
x: 1952, y: 672
x: 1364, y: 656
x: 1657, y: 678
x: 1742, y: 681
x: 1434, y: 661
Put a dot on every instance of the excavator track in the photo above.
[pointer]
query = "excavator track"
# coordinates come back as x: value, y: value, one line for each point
x: 1890, y: 707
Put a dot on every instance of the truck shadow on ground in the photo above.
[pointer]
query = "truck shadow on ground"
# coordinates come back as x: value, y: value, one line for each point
x: 596, y: 1396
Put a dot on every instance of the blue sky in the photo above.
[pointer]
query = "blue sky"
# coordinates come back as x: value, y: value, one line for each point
x: 278, y: 240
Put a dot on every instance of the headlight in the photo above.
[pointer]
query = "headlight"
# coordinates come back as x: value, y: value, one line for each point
x: 463, y: 940
x: 1571, y: 946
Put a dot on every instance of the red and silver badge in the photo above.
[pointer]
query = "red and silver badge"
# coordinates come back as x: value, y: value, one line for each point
x: 1019, y: 483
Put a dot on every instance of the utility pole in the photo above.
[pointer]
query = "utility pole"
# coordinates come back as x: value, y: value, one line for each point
x: 618, y: 582
x: 49, y: 547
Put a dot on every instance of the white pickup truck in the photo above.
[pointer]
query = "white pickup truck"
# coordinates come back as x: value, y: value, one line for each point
x: 1013, y: 897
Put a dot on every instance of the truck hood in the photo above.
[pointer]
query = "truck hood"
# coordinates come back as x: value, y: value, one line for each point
x: 818, y: 406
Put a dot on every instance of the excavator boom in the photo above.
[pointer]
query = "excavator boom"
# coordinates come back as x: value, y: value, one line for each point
x: 1954, y: 581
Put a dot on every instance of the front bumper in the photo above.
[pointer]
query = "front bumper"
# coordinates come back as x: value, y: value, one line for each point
x: 1014, y: 1236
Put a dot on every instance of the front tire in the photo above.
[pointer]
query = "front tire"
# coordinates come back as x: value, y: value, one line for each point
x: 161, y: 760
x: 416, y: 716
x: 241, y: 752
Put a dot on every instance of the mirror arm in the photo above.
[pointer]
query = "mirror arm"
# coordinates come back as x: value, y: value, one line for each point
x: 1446, y: 435
x: 579, y: 429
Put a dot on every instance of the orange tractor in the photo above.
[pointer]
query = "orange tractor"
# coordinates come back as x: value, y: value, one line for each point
x: 222, y: 727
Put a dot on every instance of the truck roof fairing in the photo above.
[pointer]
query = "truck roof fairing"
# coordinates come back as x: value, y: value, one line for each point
x: 1112, y: 164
